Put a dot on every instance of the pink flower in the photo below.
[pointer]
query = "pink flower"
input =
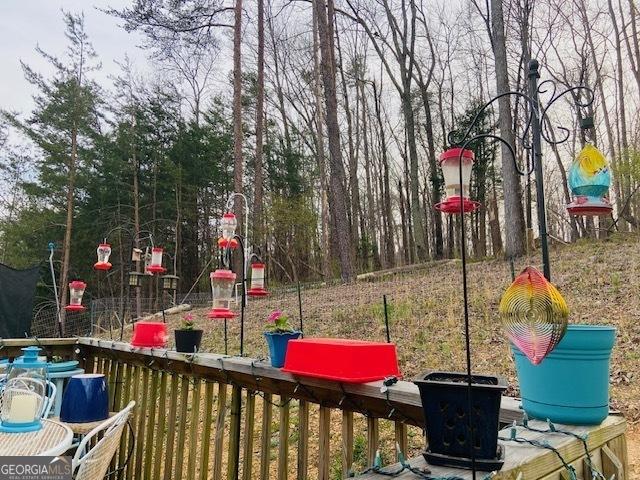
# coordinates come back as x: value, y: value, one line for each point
x: 275, y: 316
x: 188, y: 317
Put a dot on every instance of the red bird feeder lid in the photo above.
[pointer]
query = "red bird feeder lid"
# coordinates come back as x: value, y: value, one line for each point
x: 223, y: 274
x: 591, y: 206
x: 454, y: 154
x: 75, y: 308
x: 232, y: 243
x: 452, y: 205
x: 221, y: 313
x: 149, y: 335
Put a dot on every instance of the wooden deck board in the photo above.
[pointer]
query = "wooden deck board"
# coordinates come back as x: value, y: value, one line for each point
x: 532, y: 462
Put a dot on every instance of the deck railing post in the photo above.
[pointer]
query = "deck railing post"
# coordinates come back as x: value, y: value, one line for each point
x: 234, y: 433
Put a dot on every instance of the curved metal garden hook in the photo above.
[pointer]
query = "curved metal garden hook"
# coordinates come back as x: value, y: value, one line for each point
x: 451, y: 137
x: 578, y: 103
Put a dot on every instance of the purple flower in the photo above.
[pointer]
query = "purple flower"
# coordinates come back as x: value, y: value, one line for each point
x: 275, y: 316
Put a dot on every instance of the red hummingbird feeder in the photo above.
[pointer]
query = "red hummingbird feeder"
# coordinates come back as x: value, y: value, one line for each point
x: 156, y: 261
x: 222, y: 283
x: 457, y: 199
x: 256, y: 287
x: 104, y: 252
x: 228, y: 226
x: 76, y: 291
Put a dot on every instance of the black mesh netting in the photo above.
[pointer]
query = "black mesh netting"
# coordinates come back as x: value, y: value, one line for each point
x: 17, y: 291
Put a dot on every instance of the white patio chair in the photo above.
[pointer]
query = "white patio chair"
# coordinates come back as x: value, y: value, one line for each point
x: 50, y: 400
x: 93, y: 464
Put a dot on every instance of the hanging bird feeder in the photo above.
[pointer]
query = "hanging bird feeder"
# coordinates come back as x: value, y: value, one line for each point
x: 155, y: 266
x: 104, y: 252
x: 228, y: 226
x: 589, y: 181
x: 451, y: 163
x: 170, y: 282
x: 534, y: 315
x: 222, y: 283
x: 256, y: 288
x: 76, y: 291
x: 135, y: 279
x: 136, y: 254
x: 23, y: 399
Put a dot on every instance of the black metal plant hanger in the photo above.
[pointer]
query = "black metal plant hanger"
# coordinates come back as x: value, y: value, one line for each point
x: 534, y: 125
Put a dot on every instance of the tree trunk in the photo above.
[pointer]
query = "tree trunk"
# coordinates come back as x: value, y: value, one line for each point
x: 66, y: 245
x: 389, y: 244
x: 354, y: 188
x: 404, y: 226
x: 337, y: 198
x: 258, y: 222
x: 513, y: 212
x: 320, y: 153
x: 238, y: 164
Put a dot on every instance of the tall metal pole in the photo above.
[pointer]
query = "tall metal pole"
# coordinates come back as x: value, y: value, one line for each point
x: 537, y: 160
x: 386, y: 318
x: 467, y: 334
x: 300, y: 307
x: 52, y: 247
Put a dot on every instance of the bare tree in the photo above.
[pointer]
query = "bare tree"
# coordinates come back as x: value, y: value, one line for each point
x: 337, y: 200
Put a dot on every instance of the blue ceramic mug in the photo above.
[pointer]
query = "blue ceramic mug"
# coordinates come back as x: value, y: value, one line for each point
x: 85, y: 399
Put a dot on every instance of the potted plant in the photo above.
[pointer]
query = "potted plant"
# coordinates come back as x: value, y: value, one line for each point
x: 188, y: 338
x: 278, y: 332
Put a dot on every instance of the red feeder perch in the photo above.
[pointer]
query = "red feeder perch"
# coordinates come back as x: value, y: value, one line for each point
x: 156, y: 261
x: 256, y: 288
x: 104, y: 252
x: 341, y: 360
x: 450, y: 164
x: 76, y: 291
x: 150, y: 335
x: 222, y: 282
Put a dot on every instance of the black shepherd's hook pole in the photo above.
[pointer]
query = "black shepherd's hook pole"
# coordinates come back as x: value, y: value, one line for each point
x: 243, y: 302
x: 463, y: 256
x: 536, y: 155
x: 386, y: 317
x: 533, y: 128
x: 300, y: 307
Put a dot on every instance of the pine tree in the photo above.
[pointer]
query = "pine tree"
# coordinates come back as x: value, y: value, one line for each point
x: 64, y: 125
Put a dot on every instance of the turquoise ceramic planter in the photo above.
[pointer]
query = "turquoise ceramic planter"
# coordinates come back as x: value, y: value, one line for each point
x: 571, y: 385
x: 278, y: 346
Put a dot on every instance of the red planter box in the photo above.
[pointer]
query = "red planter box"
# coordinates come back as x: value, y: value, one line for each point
x: 149, y: 334
x: 348, y: 361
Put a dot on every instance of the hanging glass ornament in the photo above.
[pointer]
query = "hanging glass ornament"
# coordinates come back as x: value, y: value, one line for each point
x: 534, y: 314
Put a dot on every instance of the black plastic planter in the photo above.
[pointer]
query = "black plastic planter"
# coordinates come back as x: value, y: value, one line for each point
x: 445, y: 403
x: 188, y: 341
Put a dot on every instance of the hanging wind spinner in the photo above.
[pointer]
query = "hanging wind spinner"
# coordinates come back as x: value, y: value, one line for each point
x: 534, y: 314
x: 589, y: 181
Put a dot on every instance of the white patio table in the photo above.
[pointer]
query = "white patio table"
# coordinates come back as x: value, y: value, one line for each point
x: 52, y: 439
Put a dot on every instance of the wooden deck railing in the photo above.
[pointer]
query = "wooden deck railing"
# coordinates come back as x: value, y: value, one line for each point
x: 215, y: 416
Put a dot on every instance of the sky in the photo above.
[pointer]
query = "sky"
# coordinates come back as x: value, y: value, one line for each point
x: 25, y: 24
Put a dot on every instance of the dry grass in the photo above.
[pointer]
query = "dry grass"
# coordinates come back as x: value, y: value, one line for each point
x: 600, y: 281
